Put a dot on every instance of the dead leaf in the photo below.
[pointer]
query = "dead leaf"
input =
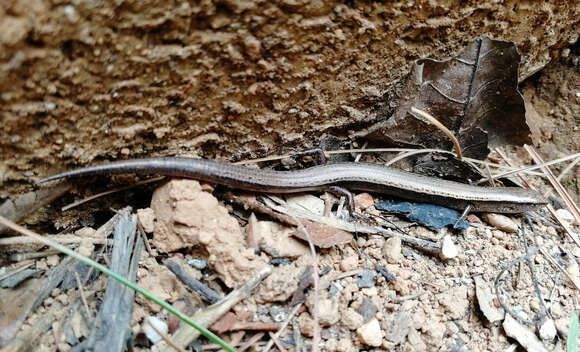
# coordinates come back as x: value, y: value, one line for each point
x: 323, y: 236
x: 474, y: 95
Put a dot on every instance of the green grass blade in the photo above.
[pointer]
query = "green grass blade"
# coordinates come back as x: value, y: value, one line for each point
x: 572, y: 339
x: 205, y: 332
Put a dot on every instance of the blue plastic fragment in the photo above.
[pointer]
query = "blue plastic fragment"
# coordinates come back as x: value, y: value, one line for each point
x: 432, y: 216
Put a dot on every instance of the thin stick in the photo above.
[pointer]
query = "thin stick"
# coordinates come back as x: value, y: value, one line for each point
x: 555, y: 263
x: 316, y: 328
x: 82, y: 294
x: 62, y: 239
x: 532, y: 167
x: 251, y: 342
x: 282, y: 327
x: 550, y: 208
x: 440, y: 126
x: 567, y: 169
x: 16, y: 271
x: 557, y: 185
x: 165, y: 338
x: 20, y: 257
x: 11, y: 225
x: 277, y: 342
x: 102, y: 194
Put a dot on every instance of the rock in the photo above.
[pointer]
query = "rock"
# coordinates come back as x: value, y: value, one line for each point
x: 500, y: 222
x: 349, y: 263
x: 253, y: 47
x: 367, y: 279
x: 277, y: 240
x: 573, y: 270
x: 486, y: 301
x: 363, y: 201
x: 345, y: 345
x: 150, y: 332
x: 351, y: 319
x: 525, y: 337
x: 367, y: 309
x: 448, y: 248
x: 328, y: 312
x: 401, y: 286
x: 392, y: 250
x: 146, y: 218
x: 565, y: 214
x: 370, y: 333
x: 306, y: 324
x: 188, y: 216
x: 548, y: 330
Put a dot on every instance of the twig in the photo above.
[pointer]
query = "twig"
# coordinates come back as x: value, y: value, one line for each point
x: 164, y: 336
x: 282, y: 327
x: 426, y: 246
x: 442, y: 127
x: 496, y: 284
x: 15, y: 271
x: 112, y: 325
x: 550, y: 208
x: 82, y: 294
x: 17, y: 209
x: 205, y: 292
x: 186, y: 335
x: 277, y: 342
x: 251, y: 342
x: 568, y: 168
x: 19, y: 257
x: 555, y: 263
x: 316, y: 328
x: 557, y: 185
x: 528, y: 168
x: 105, y: 193
x: 409, y: 297
x: 52, y: 278
x: 143, y: 235
x: 61, y: 239
x: 533, y: 272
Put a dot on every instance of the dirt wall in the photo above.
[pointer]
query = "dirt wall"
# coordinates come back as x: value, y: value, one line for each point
x: 83, y: 81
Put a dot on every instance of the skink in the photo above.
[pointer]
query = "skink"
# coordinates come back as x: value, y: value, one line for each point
x: 353, y: 176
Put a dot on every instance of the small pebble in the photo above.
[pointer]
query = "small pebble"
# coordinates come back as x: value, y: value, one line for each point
x: 146, y: 219
x: 151, y: 334
x: 500, y: 222
x: 349, y: 263
x: 573, y: 270
x: 328, y: 312
x: 548, y: 330
x: 564, y: 214
x: 448, y: 248
x: 367, y: 279
x: 367, y: 309
x: 277, y: 314
x: 197, y: 263
x: 370, y: 333
x: 363, y: 201
x: 351, y: 319
x: 392, y: 250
